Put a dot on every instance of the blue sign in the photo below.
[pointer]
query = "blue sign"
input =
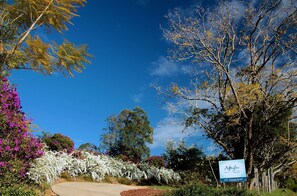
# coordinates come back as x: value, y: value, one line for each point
x: 232, y: 171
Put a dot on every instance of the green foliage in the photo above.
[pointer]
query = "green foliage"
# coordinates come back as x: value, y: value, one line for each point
x: 22, y: 48
x: 123, y: 157
x: 124, y: 181
x: 66, y: 176
x: 58, y: 142
x: 288, y: 178
x: 11, y: 184
x: 290, y: 184
x: 9, y: 179
x: 18, y: 190
x: 195, y: 190
x: 86, y: 177
x: 127, y: 135
x: 279, y: 192
x: 164, y: 187
x: 192, y: 164
x: 89, y: 147
x: 156, y: 161
x: 189, y: 162
x: 183, y: 157
x: 108, y: 179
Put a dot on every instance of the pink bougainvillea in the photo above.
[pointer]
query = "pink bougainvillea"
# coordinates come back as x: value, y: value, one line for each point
x: 18, y: 147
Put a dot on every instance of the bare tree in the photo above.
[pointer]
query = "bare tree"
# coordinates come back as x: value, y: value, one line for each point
x: 243, y: 91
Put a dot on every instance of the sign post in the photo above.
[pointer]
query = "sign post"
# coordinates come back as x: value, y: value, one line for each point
x: 232, y: 170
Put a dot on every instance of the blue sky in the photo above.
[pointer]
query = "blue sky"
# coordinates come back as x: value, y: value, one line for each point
x: 125, y: 38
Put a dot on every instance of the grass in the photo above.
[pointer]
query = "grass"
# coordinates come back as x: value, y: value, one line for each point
x: 109, y: 179
x: 164, y: 187
x: 124, y: 181
x: 185, y: 190
x: 80, y: 178
x: 280, y: 192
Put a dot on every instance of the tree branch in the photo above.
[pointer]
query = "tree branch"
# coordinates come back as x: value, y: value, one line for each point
x: 28, y: 31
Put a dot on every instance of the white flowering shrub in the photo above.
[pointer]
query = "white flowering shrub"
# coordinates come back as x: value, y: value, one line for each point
x: 49, y: 167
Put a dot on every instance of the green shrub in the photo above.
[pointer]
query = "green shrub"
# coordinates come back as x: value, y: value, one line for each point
x: 190, y: 162
x: 156, y: 161
x: 290, y: 184
x: 9, y: 178
x: 193, y: 177
x: 109, y: 179
x: 87, y: 177
x: 58, y: 142
x: 66, y: 176
x: 193, y: 190
x: 19, y: 190
x: 123, y: 157
x: 124, y: 181
x: 10, y: 184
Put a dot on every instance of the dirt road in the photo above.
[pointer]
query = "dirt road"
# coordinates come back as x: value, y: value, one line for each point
x: 90, y: 189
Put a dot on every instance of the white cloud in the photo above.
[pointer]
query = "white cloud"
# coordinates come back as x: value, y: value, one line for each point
x: 238, y: 8
x: 164, y: 67
x: 170, y: 129
x: 235, y: 9
x: 167, y: 107
x: 212, y: 149
x: 137, y: 97
x: 187, y: 69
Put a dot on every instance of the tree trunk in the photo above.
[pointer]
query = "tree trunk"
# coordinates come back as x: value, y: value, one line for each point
x: 214, y: 175
x: 272, y: 180
x: 269, y: 180
x: 257, y: 180
x: 252, y: 182
x: 250, y: 155
x: 266, y: 181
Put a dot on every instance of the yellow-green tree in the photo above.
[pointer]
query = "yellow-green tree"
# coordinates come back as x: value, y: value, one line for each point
x: 22, y: 48
x: 243, y: 90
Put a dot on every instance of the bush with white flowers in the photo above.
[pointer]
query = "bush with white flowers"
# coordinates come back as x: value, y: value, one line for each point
x: 49, y: 168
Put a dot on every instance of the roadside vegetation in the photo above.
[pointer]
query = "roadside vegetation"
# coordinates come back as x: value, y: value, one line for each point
x: 242, y: 95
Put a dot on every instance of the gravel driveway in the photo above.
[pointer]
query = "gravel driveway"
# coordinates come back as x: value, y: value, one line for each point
x: 90, y: 189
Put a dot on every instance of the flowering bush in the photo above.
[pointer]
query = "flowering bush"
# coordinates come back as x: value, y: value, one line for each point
x: 52, y: 164
x: 59, y: 142
x: 17, y: 146
x: 156, y: 161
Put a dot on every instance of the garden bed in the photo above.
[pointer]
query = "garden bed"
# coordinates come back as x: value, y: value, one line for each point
x: 143, y: 192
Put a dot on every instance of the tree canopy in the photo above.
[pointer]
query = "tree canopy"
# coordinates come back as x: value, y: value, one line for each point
x: 243, y: 88
x: 182, y: 157
x: 22, y: 47
x: 88, y: 147
x: 127, y: 135
x: 57, y: 142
